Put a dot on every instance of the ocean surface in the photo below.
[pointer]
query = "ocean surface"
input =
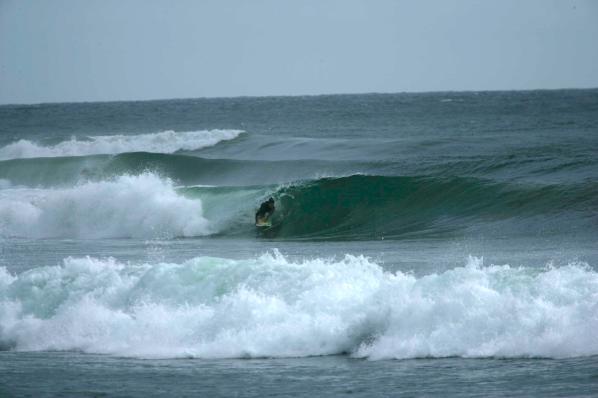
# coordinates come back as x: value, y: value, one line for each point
x: 423, y: 244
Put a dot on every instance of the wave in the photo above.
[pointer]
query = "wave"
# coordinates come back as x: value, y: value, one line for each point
x: 125, y: 207
x: 357, y: 207
x: 368, y: 207
x: 185, y: 169
x: 269, y: 306
x: 163, y: 142
x: 190, y: 169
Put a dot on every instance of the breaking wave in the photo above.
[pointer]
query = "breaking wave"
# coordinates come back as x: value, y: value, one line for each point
x: 125, y: 207
x: 270, y: 306
x: 163, y: 142
x: 357, y: 207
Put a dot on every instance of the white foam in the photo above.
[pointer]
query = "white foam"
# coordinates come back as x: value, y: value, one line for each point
x: 128, y: 206
x: 163, y: 142
x: 271, y: 307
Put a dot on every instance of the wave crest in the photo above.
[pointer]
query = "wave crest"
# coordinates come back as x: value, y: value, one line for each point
x: 163, y: 142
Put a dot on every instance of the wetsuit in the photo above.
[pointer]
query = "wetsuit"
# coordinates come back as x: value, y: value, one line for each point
x: 265, y: 210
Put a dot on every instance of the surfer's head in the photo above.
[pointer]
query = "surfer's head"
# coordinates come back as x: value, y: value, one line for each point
x: 271, y: 200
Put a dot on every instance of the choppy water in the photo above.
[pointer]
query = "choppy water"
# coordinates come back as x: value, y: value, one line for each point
x: 415, y: 235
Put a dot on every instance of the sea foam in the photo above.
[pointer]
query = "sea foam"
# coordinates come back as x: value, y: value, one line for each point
x: 163, y: 142
x: 270, y: 306
x: 142, y: 206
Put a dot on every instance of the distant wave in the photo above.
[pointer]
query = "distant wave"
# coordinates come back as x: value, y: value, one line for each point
x: 186, y: 169
x: 269, y: 306
x: 221, y: 164
x: 163, y: 142
x: 142, y: 206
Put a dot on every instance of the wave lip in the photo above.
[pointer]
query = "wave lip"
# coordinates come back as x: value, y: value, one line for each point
x: 162, y: 142
x: 125, y: 207
x: 271, y: 307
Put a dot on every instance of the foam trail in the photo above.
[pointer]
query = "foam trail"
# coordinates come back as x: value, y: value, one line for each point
x: 143, y: 206
x: 163, y: 142
x: 271, y: 307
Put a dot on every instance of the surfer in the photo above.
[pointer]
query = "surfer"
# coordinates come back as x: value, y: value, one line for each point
x: 265, y: 211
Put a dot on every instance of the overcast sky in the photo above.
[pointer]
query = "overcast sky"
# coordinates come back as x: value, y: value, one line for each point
x: 98, y: 50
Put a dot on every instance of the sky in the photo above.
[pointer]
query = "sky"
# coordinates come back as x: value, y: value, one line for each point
x: 104, y: 50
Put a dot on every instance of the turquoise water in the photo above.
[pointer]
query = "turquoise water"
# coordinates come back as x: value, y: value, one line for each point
x: 423, y: 244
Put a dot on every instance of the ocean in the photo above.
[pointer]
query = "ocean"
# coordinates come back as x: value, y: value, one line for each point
x: 422, y: 244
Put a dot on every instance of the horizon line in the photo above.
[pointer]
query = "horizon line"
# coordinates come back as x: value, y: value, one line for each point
x: 294, y: 96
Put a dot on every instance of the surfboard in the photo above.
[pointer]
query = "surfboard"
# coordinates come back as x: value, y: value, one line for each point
x: 263, y: 223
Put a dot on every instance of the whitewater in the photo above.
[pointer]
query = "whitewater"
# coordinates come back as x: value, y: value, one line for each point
x: 162, y: 142
x: 126, y: 207
x: 211, y: 307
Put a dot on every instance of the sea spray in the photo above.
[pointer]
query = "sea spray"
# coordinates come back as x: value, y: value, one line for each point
x: 270, y: 306
x: 142, y: 206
